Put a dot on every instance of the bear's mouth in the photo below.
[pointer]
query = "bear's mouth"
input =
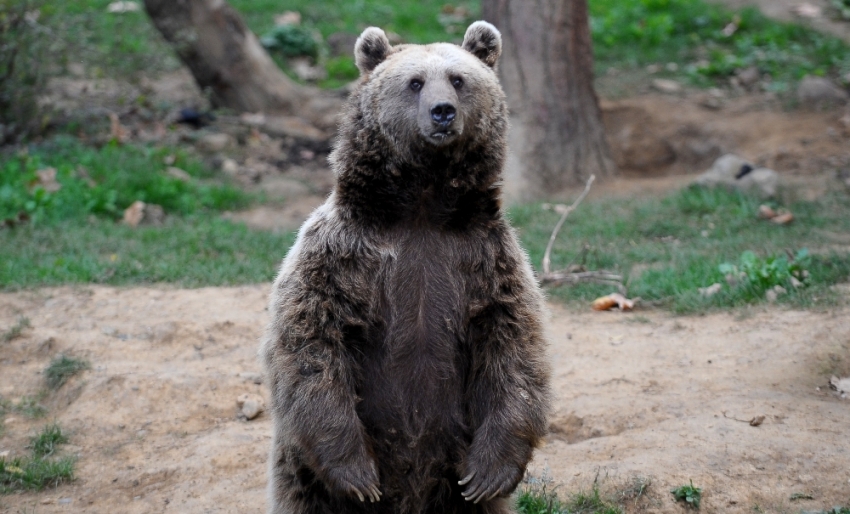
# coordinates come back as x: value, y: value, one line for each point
x: 441, y: 136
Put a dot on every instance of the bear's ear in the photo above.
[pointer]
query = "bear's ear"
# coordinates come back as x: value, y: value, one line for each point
x: 484, y: 41
x: 371, y: 48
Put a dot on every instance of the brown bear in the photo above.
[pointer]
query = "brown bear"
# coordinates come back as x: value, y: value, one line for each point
x: 405, y: 354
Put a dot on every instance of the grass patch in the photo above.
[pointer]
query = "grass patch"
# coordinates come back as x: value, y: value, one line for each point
x: 105, y: 181
x: 537, y: 499
x: 669, y: 248
x: 46, y: 442
x: 15, y: 330
x: 71, y: 233
x: 195, y: 251
x: 38, y: 470
x: 711, y: 43
x: 61, y: 369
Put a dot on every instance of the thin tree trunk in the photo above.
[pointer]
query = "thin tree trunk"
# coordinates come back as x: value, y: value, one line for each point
x: 224, y: 56
x: 557, y: 138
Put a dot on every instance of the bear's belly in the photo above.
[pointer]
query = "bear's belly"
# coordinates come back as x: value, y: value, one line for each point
x: 413, y: 382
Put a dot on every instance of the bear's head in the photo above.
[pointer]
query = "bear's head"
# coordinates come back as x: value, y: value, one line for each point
x: 436, y: 95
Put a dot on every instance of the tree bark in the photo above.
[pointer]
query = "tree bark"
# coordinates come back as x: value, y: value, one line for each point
x: 557, y: 137
x: 224, y: 56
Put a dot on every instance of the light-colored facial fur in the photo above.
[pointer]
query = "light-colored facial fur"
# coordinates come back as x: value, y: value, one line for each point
x: 434, y: 92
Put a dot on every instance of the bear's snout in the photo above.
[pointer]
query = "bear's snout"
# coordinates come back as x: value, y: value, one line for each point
x: 443, y: 114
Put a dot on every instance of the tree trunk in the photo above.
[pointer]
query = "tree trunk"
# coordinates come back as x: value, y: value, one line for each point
x: 557, y: 137
x: 224, y: 56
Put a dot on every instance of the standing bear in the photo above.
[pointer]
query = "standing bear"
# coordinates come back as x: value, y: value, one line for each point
x: 405, y: 354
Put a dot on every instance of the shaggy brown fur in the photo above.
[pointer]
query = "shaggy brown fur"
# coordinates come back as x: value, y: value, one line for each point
x: 405, y: 352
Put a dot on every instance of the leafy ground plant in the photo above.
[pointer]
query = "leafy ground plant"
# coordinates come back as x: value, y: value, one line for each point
x: 38, y: 470
x: 757, y: 274
x: 61, y: 369
x: 689, y: 494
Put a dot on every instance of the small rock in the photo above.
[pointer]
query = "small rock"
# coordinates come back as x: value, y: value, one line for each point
x: 773, y: 293
x: 215, y: 142
x: 123, y: 7
x: 141, y: 213
x: 733, y: 172
x: 47, y: 180
x: 818, y: 92
x: 711, y: 290
x: 252, y: 119
x: 840, y: 385
x: 250, y: 405
x: 250, y: 376
x: 230, y: 167
x: 288, y: 18
x: 290, y: 126
x: 177, y: 173
x: 306, y: 71
x: 748, y: 77
x: 667, y: 86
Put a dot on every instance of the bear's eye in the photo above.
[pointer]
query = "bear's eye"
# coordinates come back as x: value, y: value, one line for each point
x: 416, y: 84
x: 457, y: 82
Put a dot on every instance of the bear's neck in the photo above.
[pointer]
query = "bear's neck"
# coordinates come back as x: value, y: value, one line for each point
x: 452, y: 189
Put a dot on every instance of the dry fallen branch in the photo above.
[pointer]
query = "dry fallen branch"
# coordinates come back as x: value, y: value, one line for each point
x: 550, y: 277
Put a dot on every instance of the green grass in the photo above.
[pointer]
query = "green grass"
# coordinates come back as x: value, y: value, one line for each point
x: 61, y: 369
x: 690, y: 33
x: 536, y: 499
x: 46, y: 442
x: 669, y: 248
x: 15, y: 330
x: 688, y: 494
x: 73, y: 235
x: 38, y: 470
x: 195, y: 251
x: 105, y: 181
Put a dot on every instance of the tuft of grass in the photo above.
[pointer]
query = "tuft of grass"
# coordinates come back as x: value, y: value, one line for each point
x: 669, y: 248
x: 31, y: 407
x: 30, y: 473
x: 536, y: 498
x: 45, y: 443
x: 38, y: 470
x: 15, y: 330
x: 689, y: 494
x: 61, y: 369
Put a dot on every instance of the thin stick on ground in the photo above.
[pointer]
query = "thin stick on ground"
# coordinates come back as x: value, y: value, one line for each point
x: 550, y: 277
x: 567, y: 211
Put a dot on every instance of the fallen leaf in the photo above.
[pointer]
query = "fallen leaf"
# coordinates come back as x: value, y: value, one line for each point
x: 134, y: 213
x: 766, y: 212
x: 783, y: 218
x: 612, y: 300
x: 757, y: 421
x: 47, y: 180
x: 117, y: 132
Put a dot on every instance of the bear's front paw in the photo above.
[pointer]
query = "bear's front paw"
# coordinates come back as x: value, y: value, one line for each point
x: 485, y: 483
x: 358, y: 479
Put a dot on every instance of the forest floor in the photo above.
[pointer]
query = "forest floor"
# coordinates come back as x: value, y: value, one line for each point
x: 643, y: 401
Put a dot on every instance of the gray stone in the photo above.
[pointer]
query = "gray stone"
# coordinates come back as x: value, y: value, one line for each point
x: 761, y: 181
x: 250, y: 405
x: 819, y: 92
x: 667, y: 86
x: 250, y: 376
x: 291, y: 126
x: 215, y: 142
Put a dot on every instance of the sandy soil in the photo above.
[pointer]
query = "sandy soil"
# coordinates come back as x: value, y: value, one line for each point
x: 154, y: 422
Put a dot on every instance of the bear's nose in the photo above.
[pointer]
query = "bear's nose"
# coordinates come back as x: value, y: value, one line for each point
x: 443, y: 113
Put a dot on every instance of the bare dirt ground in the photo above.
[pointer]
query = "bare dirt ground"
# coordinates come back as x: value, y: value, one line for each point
x: 643, y: 395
